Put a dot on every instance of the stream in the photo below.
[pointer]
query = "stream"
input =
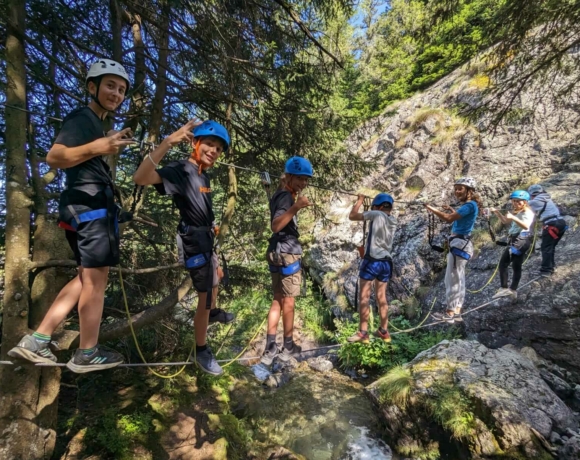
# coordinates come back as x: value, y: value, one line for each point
x: 321, y: 416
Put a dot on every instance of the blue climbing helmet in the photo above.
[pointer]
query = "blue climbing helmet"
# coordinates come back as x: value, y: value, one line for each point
x: 381, y: 199
x: 213, y: 128
x: 520, y: 195
x: 298, y: 166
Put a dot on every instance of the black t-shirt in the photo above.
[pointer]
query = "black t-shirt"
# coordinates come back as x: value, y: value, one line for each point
x: 81, y: 127
x: 89, y: 178
x: 281, y: 202
x: 191, y: 192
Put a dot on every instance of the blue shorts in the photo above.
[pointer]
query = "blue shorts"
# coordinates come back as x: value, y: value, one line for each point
x: 379, y: 269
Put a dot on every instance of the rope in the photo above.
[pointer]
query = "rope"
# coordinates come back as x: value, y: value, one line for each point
x: 175, y: 374
x: 246, y: 347
x: 418, y: 325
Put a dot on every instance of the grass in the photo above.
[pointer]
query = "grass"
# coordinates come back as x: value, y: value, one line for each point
x: 453, y: 410
x: 396, y: 386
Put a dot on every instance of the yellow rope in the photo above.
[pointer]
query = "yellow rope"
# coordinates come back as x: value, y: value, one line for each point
x: 137, y: 342
x: 418, y: 325
x: 246, y: 347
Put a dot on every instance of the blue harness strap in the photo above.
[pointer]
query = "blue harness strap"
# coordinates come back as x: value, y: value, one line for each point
x: 287, y: 270
x: 196, y: 261
x: 87, y: 217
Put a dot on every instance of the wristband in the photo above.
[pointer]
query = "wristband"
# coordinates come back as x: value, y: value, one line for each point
x: 151, y: 160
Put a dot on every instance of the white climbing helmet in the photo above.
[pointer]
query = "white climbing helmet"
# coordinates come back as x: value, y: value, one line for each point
x: 468, y: 182
x: 535, y: 189
x: 107, y: 67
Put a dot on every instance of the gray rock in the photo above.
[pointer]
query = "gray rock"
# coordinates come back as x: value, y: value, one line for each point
x: 557, y: 384
x: 571, y: 449
x: 320, y: 364
x: 555, y: 438
x: 503, y: 390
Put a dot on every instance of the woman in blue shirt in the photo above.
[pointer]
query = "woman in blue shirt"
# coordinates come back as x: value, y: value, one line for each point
x: 460, y: 245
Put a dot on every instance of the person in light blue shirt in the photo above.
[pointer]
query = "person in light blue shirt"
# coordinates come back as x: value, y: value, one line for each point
x: 460, y: 245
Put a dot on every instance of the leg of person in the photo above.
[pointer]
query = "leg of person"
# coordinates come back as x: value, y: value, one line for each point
x: 271, y: 349
x: 362, y: 335
x: 561, y: 226
x: 460, y: 273
x: 97, y: 255
x: 217, y: 315
x: 381, y: 293
x: 35, y: 347
x: 504, y: 264
x: 290, y: 290
x: 452, y: 287
x: 548, y: 252
x: 517, y: 262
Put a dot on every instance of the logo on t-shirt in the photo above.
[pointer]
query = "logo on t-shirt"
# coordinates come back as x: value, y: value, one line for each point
x: 204, y: 189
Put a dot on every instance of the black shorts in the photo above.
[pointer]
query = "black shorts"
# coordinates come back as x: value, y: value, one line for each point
x: 200, y: 275
x: 92, y: 245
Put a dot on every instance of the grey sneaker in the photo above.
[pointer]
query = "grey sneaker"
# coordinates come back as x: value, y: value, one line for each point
x: 221, y: 317
x: 102, y: 358
x: 270, y: 354
x: 447, y: 316
x: 32, y: 350
x: 285, y: 354
x: 207, y: 363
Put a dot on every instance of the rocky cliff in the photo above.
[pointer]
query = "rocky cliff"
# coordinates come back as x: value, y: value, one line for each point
x: 419, y: 147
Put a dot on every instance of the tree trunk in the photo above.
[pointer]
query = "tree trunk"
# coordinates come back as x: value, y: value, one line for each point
x: 21, y: 437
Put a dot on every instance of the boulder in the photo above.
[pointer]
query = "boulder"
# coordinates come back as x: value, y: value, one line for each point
x: 320, y: 364
x: 571, y: 449
x: 469, y: 401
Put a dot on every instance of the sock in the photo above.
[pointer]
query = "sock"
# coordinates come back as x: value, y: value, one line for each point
x: 41, y: 337
x: 363, y: 332
x: 288, y: 343
x: 214, y: 312
x: 200, y: 348
x: 382, y: 331
x: 88, y: 351
x: 270, y: 339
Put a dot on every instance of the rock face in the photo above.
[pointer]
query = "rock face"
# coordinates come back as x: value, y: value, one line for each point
x: 419, y: 147
x: 462, y: 400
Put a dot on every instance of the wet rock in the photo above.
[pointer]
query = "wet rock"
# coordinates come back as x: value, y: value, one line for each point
x: 502, y: 401
x: 320, y: 364
x: 571, y: 449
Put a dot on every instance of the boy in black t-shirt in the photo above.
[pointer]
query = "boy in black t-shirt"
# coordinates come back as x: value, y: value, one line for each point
x: 284, y: 257
x: 87, y: 212
x: 191, y: 191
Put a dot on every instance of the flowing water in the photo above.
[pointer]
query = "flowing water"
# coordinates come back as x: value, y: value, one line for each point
x: 319, y: 416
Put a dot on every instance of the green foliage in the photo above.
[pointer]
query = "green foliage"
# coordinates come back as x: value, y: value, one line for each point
x: 396, y: 385
x: 453, y: 410
x: 114, y: 433
x: 378, y: 355
x: 236, y: 432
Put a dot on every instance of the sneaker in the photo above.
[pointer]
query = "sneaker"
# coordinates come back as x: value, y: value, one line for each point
x: 207, y: 363
x: 286, y: 354
x: 269, y: 355
x: 447, y: 316
x: 358, y: 336
x: 386, y: 337
x: 545, y: 274
x: 221, y: 317
x: 502, y: 292
x: 32, y: 350
x: 102, y: 358
x: 513, y: 294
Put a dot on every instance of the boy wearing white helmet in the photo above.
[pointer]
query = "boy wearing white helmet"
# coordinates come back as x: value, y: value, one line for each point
x: 88, y: 213
x: 377, y: 264
x: 553, y: 226
x: 284, y: 257
x: 460, y: 245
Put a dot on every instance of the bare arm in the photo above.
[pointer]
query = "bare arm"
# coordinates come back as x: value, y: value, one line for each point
x: 445, y: 217
x: 504, y: 219
x: 284, y: 219
x: 61, y: 156
x: 146, y: 174
x: 355, y: 215
x: 520, y: 223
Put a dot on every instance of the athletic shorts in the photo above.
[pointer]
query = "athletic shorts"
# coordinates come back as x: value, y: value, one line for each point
x: 200, y: 275
x: 286, y: 285
x: 91, y: 244
x: 375, y: 269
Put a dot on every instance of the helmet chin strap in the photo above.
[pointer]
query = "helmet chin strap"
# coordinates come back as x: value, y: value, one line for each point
x: 95, y: 97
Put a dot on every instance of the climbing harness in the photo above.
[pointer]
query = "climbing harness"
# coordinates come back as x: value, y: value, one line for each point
x: 431, y: 233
